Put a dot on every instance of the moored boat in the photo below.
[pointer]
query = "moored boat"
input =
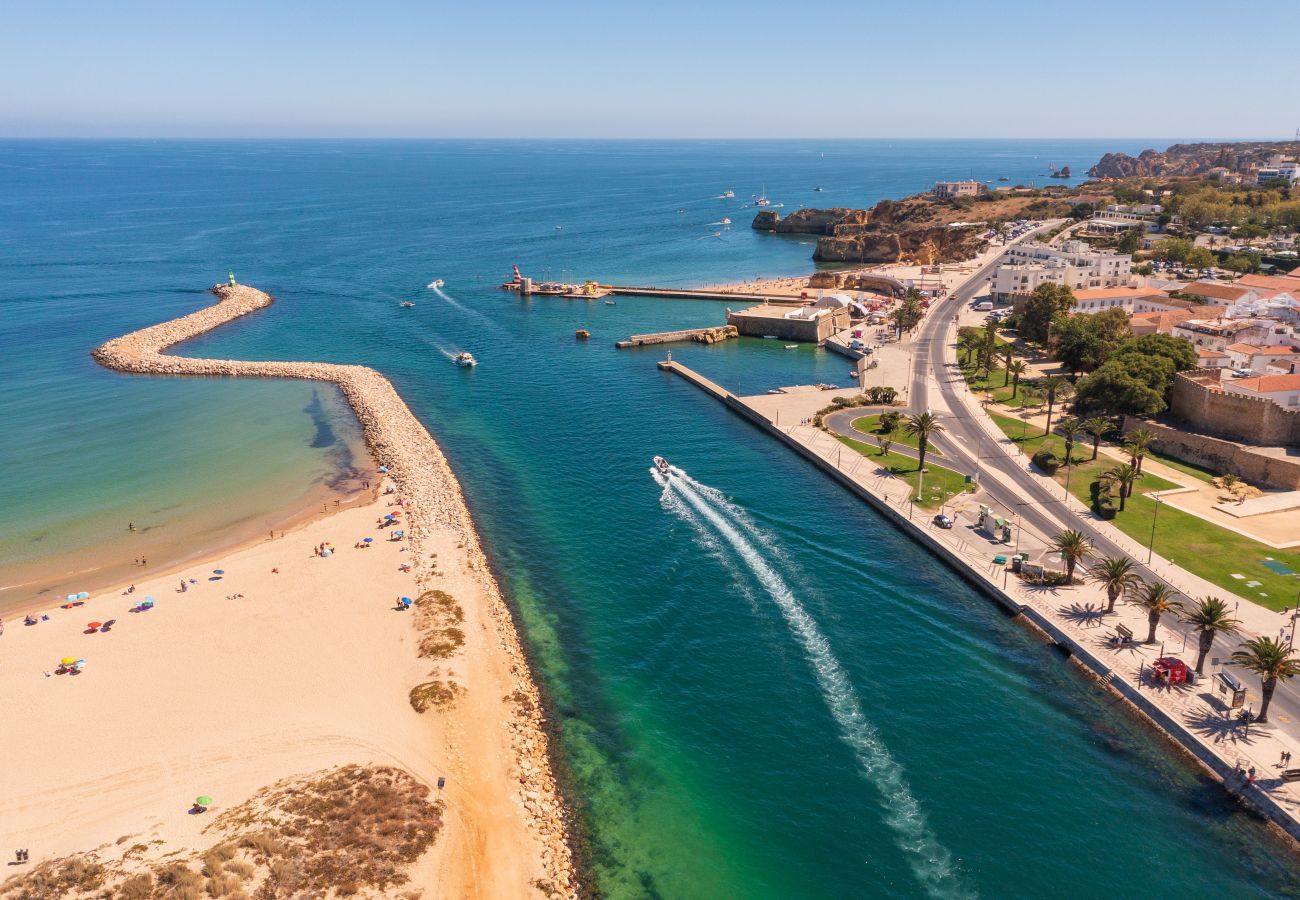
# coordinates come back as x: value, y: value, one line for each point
x: 582, y: 334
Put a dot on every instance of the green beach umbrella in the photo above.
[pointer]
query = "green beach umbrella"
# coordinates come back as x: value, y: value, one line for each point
x: 204, y: 800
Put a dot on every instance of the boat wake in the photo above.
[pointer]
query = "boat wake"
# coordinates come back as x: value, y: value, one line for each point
x: 488, y: 322
x: 719, y: 524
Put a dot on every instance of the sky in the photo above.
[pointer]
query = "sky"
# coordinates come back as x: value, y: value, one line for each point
x: 666, y: 69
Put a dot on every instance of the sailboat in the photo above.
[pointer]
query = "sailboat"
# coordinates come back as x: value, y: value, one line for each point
x: 762, y: 198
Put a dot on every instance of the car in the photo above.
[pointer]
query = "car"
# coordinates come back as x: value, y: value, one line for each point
x: 1242, y: 373
x: 942, y: 521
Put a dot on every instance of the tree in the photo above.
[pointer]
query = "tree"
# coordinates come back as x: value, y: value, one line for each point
x: 1083, y: 342
x: 1175, y: 249
x: 1069, y: 429
x: 1041, y: 307
x: 1054, y: 388
x: 1201, y: 258
x: 1272, y: 662
x: 1157, y: 599
x: 1118, y: 575
x: 1130, y: 242
x: 1177, y: 350
x: 1096, y: 427
x: 889, y: 422
x: 1123, y: 475
x: 1124, y: 387
x: 1074, y: 548
x: 1138, y: 445
x: 1014, y: 371
x: 923, y: 426
x: 967, y: 341
x: 1208, y: 618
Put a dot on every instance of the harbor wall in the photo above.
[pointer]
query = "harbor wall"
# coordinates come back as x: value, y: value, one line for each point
x: 1088, y: 662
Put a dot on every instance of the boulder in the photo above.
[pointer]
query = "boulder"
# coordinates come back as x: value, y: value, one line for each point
x: 766, y: 220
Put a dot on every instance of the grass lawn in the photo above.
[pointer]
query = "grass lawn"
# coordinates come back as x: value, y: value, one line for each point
x: 940, y: 483
x: 1029, y: 437
x: 1200, y: 547
x: 1186, y: 468
x: 993, y: 386
x: 870, y: 426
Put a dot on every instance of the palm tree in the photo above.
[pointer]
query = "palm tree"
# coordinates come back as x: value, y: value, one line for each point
x: 1069, y: 429
x: 1139, y: 442
x: 1157, y: 599
x: 1209, y: 617
x: 1015, y: 369
x: 1074, y: 548
x: 966, y: 341
x: 1096, y: 427
x: 1125, y: 476
x: 1117, y: 574
x: 922, y: 426
x: 1054, y: 388
x: 1272, y: 662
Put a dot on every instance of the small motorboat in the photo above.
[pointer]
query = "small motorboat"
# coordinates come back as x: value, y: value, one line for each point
x: 436, y: 283
x: 609, y: 302
x: 662, y: 465
x: 769, y: 337
x: 727, y: 195
x: 582, y: 334
x: 819, y: 189
x: 407, y: 304
x: 726, y: 221
x: 792, y: 346
x: 466, y: 359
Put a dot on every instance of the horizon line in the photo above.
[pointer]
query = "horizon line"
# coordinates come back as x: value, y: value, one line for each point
x: 326, y: 137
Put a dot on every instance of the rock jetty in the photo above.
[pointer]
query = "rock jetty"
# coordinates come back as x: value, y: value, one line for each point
x: 433, y: 501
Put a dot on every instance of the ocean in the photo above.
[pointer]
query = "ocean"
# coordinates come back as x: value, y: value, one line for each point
x: 761, y: 688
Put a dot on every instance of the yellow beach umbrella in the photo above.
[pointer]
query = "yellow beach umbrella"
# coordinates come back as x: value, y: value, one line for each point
x: 68, y: 660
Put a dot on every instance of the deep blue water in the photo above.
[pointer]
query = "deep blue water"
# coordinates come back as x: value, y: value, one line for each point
x: 762, y: 692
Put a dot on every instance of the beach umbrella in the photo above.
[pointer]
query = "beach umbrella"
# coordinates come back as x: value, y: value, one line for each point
x: 79, y: 664
x: 67, y: 660
x: 218, y: 571
x: 368, y: 540
x: 95, y: 625
x: 203, y: 800
x: 83, y: 596
x: 70, y: 597
x: 406, y: 601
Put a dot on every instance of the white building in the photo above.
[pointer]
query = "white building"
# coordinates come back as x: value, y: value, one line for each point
x: 1073, y: 264
x: 949, y: 189
x: 1130, y: 299
x: 1279, y: 169
x: 1284, y: 390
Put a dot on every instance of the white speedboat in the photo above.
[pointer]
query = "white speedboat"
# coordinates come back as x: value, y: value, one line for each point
x: 436, y: 283
x: 727, y: 195
x: 661, y: 464
x: 726, y: 221
x: 466, y: 359
x: 407, y: 304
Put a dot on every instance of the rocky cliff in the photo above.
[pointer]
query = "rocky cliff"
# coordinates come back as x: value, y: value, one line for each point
x: 912, y: 229
x: 1190, y: 159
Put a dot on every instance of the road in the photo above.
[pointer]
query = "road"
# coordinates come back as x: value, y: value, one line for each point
x: 1041, y: 509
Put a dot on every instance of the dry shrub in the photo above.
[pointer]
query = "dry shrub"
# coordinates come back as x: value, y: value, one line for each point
x: 433, y: 693
x: 350, y: 829
x: 242, y: 869
x: 137, y: 887
x: 224, y: 885
x: 64, y: 877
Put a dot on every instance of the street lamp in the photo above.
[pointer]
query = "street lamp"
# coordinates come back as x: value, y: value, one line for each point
x: 1154, y: 516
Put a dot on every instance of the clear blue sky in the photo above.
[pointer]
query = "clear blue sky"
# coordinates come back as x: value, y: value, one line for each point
x: 701, y: 68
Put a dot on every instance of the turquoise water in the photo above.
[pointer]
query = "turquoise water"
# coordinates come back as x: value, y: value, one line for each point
x: 762, y: 689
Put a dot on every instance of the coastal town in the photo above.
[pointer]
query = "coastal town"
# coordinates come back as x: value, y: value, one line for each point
x: 1082, y: 400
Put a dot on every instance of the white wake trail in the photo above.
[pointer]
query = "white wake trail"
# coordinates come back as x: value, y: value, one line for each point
x: 931, y: 862
x: 671, y: 501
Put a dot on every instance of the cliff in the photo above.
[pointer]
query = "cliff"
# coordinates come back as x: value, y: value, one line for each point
x: 1191, y: 159
x: 915, y: 228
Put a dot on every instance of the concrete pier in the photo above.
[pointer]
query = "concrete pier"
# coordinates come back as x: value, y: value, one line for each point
x: 712, y: 335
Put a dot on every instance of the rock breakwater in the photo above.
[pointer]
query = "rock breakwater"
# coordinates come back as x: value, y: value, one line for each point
x: 432, y: 501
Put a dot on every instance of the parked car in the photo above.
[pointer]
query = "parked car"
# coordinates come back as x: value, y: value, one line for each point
x: 942, y: 521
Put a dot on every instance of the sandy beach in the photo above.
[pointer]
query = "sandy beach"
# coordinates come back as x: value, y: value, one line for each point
x: 286, y: 662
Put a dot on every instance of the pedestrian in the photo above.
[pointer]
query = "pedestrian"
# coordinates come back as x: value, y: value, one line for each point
x: 143, y: 561
x: 1281, y: 760
x: 130, y: 526
x: 1250, y: 775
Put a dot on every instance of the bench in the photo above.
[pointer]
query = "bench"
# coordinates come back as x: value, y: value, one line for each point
x: 1123, y: 635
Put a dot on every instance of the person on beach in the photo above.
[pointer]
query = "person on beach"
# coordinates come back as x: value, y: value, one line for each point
x: 184, y: 587
x: 130, y: 526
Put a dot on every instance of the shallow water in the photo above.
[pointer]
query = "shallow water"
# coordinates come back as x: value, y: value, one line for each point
x: 772, y: 694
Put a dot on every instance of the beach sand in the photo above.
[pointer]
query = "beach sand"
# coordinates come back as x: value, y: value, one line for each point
x: 310, y: 668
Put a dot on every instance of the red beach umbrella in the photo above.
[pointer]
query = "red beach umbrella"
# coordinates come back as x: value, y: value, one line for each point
x: 95, y: 625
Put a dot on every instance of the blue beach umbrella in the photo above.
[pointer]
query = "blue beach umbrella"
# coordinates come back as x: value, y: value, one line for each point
x: 406, y: 601
x: 218, y: 571
x: 70, y: 597
x: 83, y: 595
x: 368, y: 540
